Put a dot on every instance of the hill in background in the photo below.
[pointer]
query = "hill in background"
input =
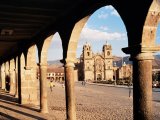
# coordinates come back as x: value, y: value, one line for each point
x: 116, y: 60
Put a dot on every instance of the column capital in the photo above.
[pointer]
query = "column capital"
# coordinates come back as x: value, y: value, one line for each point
x: 42, y: 64
x: 11, y: 70
x: 28, y: 67
x: 136, y: 49
x: 69, y: 63
x: 142, y: 56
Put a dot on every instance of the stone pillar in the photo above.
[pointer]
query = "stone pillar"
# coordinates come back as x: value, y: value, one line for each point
x: 43, y: 88
x: 16, y: 77
x: 16, y: 85
x: 29, y: 87
x: 142, y: 86
x: 7, y: 78
x: 3, y: 77
x: 12, y: 81
x: 70, y: 92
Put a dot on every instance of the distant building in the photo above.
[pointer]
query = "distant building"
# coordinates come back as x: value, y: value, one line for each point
x: 124, y: 72
x: 56, y: 74
x: 96, y: 67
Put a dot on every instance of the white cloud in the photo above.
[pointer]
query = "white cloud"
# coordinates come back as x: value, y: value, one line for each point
x: 115, y: 13
x: 112, y: 11
x: 93, y: 34
x: 104, y: 28
x: 102, y: 15
x: 109, y: 7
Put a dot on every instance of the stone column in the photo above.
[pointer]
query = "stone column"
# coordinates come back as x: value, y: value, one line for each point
x: 3, y: 77
x: 70, y: 92
x: 142, y: 86
x: 43, y: 88
x: 12, y: 81
x: 7, y: 78
x: 16, y: 85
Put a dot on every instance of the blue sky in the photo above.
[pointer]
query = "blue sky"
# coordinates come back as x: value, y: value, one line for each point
x: 104, y: 25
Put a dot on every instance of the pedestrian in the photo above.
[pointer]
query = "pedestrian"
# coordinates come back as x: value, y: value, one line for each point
x: 129, y: 87
x: 51, y: 85
x: 83, y: 83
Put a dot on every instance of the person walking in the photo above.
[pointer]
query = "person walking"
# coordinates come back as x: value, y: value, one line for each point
x: 129, y: 87
x: 83, y: 83
x: 51, y: 85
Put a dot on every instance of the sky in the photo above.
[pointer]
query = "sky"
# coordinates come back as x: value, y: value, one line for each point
x: 104, y: 25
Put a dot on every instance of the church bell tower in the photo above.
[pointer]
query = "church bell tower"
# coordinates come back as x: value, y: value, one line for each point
x: 108, y: 58
x: 88, y: 62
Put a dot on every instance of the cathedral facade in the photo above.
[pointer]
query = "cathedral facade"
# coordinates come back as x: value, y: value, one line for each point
x: 99, y: 66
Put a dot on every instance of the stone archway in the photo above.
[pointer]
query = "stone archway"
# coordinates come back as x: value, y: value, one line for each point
x: 69, y: 60
x: 150, y: 27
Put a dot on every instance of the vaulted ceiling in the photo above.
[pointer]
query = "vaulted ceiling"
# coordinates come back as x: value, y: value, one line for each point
x: 23, y: 22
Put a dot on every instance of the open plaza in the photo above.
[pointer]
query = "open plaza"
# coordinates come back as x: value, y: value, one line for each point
x: 93, y: 102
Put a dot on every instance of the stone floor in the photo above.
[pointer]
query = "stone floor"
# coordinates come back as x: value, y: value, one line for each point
x: 94, y: 102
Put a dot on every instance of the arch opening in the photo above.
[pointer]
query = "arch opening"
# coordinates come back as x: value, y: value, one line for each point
x: 158, y: 35
x: 99, y: 55
x: 104, y: 34
x: 156, y: 62
x: 55, y: 71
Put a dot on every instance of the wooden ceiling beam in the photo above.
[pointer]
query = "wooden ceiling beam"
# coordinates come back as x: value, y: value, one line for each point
x: 39, y: 4
x: 34, y: 21
x: 26, y: 15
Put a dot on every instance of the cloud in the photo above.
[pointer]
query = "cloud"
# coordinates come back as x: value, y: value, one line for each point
x: 115, y: 13
x: 109, y: 7
x: 93, y: 34
x: 112, y: 11
x: 104, y: 28
x: 102, y: 15
x: 107, y: 12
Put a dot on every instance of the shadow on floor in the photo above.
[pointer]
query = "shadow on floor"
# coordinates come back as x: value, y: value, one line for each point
x: 4, y: 116
x: 8, y: 98
x: 8, y: 102
x: 20, y: 112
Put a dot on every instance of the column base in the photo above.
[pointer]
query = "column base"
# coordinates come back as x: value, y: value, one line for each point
x: 44, y: 111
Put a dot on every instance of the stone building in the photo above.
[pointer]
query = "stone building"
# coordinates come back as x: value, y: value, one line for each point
x: 124, y: 72
x: 56, y: 74
x: 96, y: 67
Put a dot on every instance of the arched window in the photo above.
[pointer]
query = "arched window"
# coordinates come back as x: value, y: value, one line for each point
x: 88, y: 54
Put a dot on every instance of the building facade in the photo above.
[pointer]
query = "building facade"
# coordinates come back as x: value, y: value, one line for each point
x: 96, y: 67
x: 124, y: 72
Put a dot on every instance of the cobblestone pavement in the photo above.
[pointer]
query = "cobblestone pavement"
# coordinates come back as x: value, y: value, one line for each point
x: 93, y: 103
x: 99, y: 103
